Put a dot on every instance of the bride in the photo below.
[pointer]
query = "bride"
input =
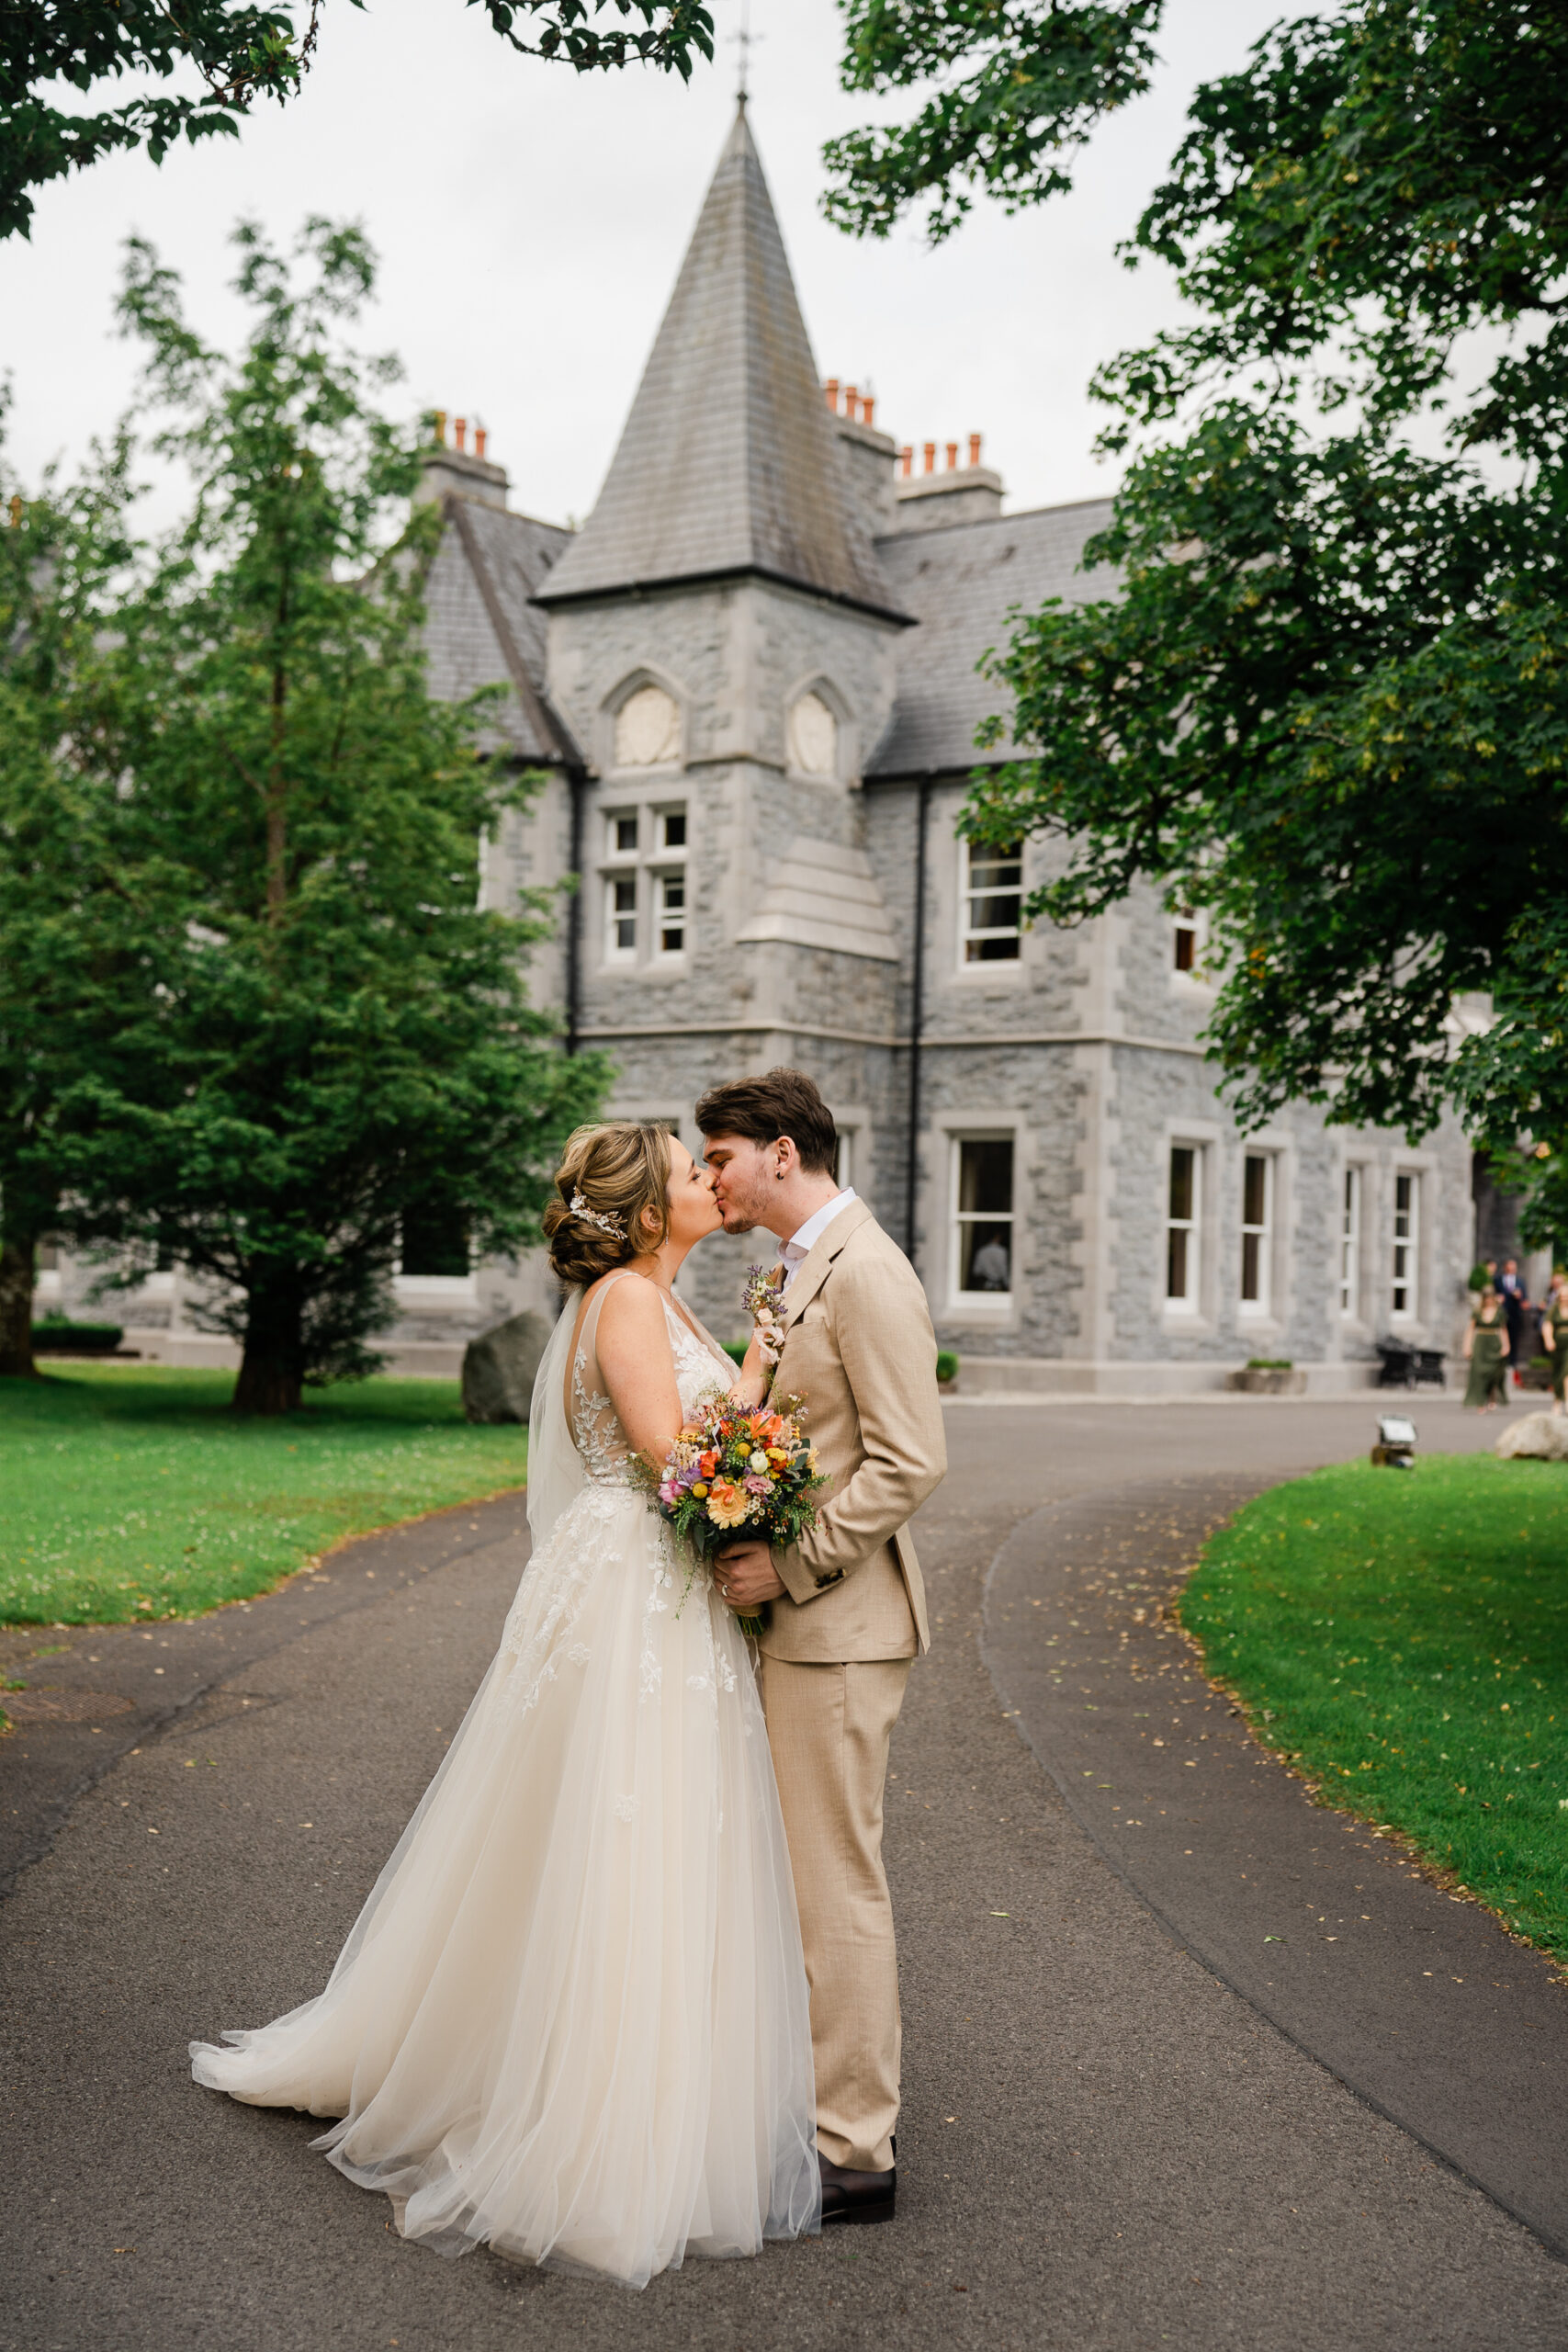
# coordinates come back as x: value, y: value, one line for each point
x: 571, y: 2021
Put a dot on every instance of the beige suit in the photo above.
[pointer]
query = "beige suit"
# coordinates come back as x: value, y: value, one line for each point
x: 859, y: 1348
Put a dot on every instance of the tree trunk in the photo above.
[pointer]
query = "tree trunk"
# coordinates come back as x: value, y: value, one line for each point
x: 18, y: 1255
x: 272, y: 1369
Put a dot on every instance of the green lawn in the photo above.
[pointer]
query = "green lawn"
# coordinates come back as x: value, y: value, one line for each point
x: 134, y: 1493
x: 1403, y: 1638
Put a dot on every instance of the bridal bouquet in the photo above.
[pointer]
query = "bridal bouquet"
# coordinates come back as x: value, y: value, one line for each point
x: 740, y: 1471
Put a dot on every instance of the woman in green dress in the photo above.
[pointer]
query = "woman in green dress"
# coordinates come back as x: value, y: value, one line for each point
x: 1486, y: 1352
x: 1554, y: 1336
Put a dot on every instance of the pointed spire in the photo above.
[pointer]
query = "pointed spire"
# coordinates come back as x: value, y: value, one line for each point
x: 729, y: 462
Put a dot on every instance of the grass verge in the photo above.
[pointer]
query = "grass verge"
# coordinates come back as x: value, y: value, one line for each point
x: 136, y: 1493
x: 1402, y: 1638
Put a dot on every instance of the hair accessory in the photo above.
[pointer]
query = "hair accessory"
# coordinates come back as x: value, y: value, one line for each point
x: 606, y: 1223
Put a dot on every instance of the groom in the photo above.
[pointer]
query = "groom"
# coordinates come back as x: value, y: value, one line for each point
x: 849, y: 1610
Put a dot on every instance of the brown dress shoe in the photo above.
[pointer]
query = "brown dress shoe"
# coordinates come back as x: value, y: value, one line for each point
x: 856, y: 2196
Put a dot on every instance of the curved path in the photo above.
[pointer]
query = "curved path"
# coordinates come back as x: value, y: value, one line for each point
x: 1104, y: 2143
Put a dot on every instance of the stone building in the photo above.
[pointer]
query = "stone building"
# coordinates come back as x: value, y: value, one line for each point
x: 750, y: 682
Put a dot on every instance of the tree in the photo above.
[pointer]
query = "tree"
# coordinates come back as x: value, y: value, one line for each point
x: 61, y: 890
x: 234, y: 54
x: 1013, y: 89
x: 325, y: 1039
x: 1329, y: 701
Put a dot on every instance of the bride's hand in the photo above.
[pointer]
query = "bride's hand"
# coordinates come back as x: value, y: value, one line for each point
x: 751, y: 1385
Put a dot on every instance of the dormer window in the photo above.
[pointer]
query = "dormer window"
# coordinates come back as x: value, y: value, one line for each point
x: 813, y: 738
x: 648, y: 730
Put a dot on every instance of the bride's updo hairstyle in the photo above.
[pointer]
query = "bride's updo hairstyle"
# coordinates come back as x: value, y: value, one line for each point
x: 610, y: 1176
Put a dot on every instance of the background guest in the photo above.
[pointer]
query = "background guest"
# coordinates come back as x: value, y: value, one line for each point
x: 1554, y: 1336
x: 1486, y: 1352
x: 1511, y: 1291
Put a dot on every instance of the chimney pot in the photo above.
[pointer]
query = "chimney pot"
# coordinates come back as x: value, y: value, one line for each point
x: 479, y: 438
x: 867, y: 408
x: 852, y: 402
x: 952, y: 456
x: 974, y: 448
x: 832, y: 389
x: 930, y: 456
x: 905, y: 461
x: 461, y: 431
x: 440, y: 414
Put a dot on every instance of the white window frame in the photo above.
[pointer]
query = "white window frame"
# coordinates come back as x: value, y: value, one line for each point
x: 1406, y: 1249
x: 969, y: 855
x: 980, y: 1301
x: 1353, y: 1212
x: 645, y: 871
x: 616, y: 951
x: 662, y: 878
x: 1187, y: 1301
x: 615, y: 854
x: 1259, y: 1309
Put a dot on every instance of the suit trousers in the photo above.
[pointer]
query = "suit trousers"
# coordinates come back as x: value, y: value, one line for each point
x: 828, y: 1727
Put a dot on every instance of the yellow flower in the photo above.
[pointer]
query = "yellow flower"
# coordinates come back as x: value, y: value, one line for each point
x: 727, y: 1503
x: 699, y: 1488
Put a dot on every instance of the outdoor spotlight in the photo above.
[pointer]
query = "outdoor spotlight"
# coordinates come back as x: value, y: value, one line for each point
x: 1395, y: 1448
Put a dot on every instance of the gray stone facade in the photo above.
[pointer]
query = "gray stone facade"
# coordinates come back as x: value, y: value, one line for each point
x: 751, y: 685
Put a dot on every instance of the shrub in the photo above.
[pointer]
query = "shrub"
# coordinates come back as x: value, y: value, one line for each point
x: 57, y: 1336
x: 946, y: 1364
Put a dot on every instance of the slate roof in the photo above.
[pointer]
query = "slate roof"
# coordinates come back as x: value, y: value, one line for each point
x: 484, y: 626
x: 729, y: 462
x: 960, y: 583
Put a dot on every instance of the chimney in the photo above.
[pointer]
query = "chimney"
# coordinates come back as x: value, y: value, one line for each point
x: 870, y: 458
x: 455, y: 472
x: 930, y: 501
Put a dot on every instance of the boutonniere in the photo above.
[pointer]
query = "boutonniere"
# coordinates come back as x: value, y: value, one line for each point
x: 763, y: 1303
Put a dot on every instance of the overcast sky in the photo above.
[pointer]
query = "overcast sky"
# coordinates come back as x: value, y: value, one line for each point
x: 530, y: 224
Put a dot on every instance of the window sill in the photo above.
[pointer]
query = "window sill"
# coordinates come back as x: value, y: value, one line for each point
x: 455, y: 1290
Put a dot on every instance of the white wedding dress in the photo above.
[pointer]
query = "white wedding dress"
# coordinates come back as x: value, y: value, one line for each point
x: 571, y: 2021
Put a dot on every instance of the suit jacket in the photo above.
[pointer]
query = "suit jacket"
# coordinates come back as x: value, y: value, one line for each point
x: 859, y: 1351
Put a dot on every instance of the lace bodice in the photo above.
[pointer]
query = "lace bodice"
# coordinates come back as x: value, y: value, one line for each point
x: 700, y: 1367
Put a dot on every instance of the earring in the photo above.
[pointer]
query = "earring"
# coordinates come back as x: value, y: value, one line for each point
x: 780, y: 1174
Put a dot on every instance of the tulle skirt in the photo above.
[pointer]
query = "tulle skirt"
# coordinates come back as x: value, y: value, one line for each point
x: 571, y: 2021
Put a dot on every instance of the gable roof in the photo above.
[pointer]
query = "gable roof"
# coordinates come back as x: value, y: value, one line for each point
x: 729, y: 462
x: 483, y: 624
x: 961, y: 581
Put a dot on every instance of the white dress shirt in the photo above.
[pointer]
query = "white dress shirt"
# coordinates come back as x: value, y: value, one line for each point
x: 795, y: 1249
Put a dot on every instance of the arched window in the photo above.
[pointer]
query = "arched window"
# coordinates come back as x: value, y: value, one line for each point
x: 813, y: 737
x: 648, y: 730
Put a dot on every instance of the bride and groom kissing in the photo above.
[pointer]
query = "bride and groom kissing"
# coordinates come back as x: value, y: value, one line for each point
x: 626, y: 1988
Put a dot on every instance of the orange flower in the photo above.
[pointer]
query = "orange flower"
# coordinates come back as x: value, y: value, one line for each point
x: 707, y: 1464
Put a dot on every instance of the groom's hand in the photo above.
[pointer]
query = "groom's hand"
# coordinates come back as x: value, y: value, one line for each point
x: 746, y: 1577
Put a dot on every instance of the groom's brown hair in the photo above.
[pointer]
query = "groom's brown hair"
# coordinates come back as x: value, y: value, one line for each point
x: 780, y: 1102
